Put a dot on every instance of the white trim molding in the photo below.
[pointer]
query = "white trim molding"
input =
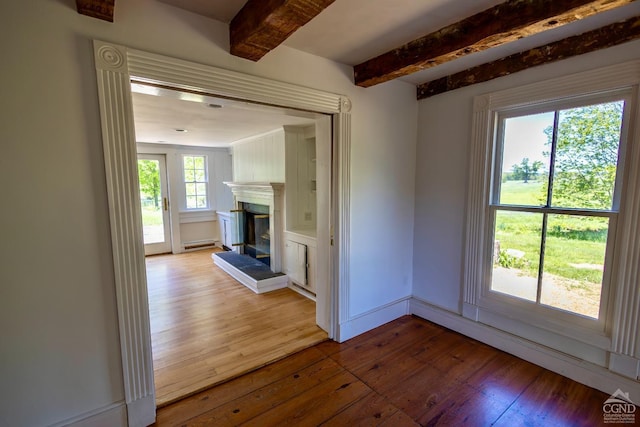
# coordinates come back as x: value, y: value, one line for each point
x: 116, y: 67
x: 340, y: 224
x: 114, y: 415
x: 571, y: 367
x: 373, y: 318
x: 617, y: 347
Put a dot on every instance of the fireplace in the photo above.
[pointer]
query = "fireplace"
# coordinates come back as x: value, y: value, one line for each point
x: 259, y: 221
x: 254, y: 236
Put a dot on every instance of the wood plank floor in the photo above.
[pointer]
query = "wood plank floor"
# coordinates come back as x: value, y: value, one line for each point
x: 206, y: 327
x: 406, y: 373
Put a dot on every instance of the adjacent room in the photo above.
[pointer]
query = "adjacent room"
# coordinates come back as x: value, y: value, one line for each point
x: 228, y: 196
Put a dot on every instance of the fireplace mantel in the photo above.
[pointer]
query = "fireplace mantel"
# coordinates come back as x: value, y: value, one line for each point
x: 258, y: 190
x: 270, y: 194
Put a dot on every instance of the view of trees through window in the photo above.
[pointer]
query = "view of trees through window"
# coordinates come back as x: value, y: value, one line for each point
x: 195, y: 181
x: 150, y: 200
x: 554, y: 202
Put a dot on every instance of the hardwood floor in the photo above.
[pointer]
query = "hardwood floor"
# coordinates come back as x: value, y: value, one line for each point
x: 406, y: 373
x: 206, y: 327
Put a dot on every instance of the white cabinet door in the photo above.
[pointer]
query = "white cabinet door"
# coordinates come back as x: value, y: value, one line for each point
x: 226, y: 230
x: 296, y: 262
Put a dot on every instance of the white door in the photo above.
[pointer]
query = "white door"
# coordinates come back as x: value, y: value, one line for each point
x: 152, y: 175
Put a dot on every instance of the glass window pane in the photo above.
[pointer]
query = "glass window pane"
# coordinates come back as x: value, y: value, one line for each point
x: 151, y: 201
x: 188, y: 162
x: 516, y: 256
x: 201, y: 202
x: 189, y: 176
x: 525, y: 160
x: 587, y: 156
x: 198, y: 162
x: 574, y: 263
x: 201, y: 189
x: 191, y: 202
x: 191, y: 189
x: 199, y: 176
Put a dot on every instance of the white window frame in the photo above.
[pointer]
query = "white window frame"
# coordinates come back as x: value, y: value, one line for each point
x: 206, y: 182
x: 614, y: 330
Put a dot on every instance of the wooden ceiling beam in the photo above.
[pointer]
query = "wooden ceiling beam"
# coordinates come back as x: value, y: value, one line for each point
x: 498, y: 25
x: 261, y: 25
x: 101, y: 9
x: 590, y: 41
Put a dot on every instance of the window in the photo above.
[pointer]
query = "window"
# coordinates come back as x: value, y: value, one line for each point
x: 554, y: 204
x: 553, y: 207
x: 195, y: 181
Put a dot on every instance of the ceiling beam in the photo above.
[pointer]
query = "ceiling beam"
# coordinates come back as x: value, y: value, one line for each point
x: 496, y: 26
x: 261, y: 25
x: 590, y: 41
x: 101, y: 9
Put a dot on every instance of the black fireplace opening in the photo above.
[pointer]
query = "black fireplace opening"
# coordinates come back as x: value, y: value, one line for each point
x: 255, y: 228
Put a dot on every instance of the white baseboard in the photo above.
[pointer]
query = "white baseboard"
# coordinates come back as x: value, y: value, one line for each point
x: 302, y: 291
x: 114, y: 415
x: 142, y: 412
x: 576, y: 369
x: 372, y: 319
x: 199, y: 244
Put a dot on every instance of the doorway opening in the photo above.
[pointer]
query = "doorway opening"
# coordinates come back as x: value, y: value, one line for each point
x: 116, y: 65
x: 207, y: 328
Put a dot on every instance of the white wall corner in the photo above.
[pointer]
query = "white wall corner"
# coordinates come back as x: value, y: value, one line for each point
x: 578, y: 370
x: 142, y: 412
x: 372, y: 319
x: 113, y: 416
x: 624, y: 365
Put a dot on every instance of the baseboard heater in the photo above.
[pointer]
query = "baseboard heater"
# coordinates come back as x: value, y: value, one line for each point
x: 200, y: 244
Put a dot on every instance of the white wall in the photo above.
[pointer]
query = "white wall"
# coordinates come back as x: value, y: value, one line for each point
x: 444, y: 132
x: 60, y: 357
x: 259, y: 158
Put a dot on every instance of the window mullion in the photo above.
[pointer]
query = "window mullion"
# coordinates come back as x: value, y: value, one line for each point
x: 543, y: 242
x: 552, y: 161
x: 545, y: 215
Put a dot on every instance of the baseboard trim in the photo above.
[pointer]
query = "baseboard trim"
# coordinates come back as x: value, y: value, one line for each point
x: 372, y: 319
x: 111, y: 415
x: 576, y: 369
x: 142, y: 412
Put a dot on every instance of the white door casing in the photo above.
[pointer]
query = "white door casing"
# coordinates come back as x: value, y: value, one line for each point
x: 116, y: 66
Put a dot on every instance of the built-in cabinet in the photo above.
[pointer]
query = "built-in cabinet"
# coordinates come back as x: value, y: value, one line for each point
x: 301, y: 207
x: 225, y: 222
x: 288, y: 155
x: 300, y: 260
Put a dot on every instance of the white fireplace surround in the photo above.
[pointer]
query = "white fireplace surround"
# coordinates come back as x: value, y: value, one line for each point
x: 268, y: 194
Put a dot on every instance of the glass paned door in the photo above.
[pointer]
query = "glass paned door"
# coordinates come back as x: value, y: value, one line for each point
x: 155, y: 203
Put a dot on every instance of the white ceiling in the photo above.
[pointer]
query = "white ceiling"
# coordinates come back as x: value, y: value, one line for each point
x: 348, y: 31
x: 159, y: 112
